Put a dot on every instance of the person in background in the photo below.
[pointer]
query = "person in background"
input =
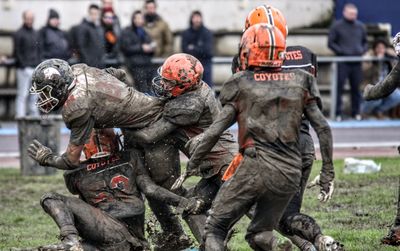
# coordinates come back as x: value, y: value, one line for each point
x: 197, y: 41
x: 374, y: 72
x: 28, y: 55
x: 138, y: 49
x: 90, y: 39
x: 348, y: 37
x: 111, y: 39
x: 53, y: 41
x: 106, y: 6
x: 158, y: 30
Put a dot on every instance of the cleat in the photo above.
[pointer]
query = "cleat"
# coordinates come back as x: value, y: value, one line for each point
x: 393, y: 237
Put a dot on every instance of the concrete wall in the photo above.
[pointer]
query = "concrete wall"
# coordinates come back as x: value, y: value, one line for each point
x: 218, y: 15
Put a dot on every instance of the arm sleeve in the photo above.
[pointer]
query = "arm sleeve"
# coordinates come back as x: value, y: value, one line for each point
x: 168, y: 41
x: 128, y: 46
x: 313, y: 90
x: 206, y: 48
x: 184, y: 42
x: 321, y: 127
x: 18, y: 49
x: 385, y: 87
x: 152, y: 133
x: 81, y: 126
x: 184, y: 110
x: 332, y: 40
x: 117, y: 73
x: 224, y: 120
x: 147, y: 185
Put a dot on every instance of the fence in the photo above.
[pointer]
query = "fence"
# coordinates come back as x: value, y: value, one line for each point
x: 8, y: 89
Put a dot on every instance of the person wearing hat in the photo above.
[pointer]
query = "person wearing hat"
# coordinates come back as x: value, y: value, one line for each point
x: 53, y: 41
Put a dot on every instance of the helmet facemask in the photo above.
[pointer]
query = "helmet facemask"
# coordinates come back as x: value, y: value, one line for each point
x: 167, y: 88
x: 45, y: 102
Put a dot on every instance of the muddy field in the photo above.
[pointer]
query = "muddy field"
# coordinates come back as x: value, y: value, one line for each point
x: 362, y: 208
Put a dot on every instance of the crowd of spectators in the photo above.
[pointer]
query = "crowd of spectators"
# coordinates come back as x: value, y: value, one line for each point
x: 100, y: 41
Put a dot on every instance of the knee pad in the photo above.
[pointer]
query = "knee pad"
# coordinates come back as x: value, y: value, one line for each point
x: 50, y: 195
x: 262, y: 241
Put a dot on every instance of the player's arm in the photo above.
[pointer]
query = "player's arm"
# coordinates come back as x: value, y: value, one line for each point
x: 321, y: 127
x: 152, y: 190
x: 81, y: 127
x: 385, y: 87
x: 225, y: 119
x: 152, y: 133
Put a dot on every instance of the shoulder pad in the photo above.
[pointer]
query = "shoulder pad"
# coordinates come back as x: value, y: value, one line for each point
x: 184, y: 110
x: 230, y: 89
x: 302, y: 58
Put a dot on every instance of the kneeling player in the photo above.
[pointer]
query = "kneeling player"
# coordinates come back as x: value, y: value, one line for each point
x: 109, y: 215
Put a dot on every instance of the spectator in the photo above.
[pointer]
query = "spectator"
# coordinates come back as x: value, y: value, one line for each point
x: 348, y: 37
x: 53, y: 41
x: 27, y: 54
x: 158, y: 30
x: 374, y: 73
x: 90, y: 39
x: 111, y: 37
x: 198, y: 41
x: 108, y: 5
x: 138, y: 49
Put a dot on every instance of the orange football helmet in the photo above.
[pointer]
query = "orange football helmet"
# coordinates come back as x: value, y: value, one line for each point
x: 267, y: 14
x: 262, y: 45
x: 180, y: 73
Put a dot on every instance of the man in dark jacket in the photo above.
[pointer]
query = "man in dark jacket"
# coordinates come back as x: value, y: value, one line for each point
x: 138, y: 48
x: 198, y: 42
x: 348, y: 37
x: 53, y: 41
x: 27, y: 53
x: 90, y: 38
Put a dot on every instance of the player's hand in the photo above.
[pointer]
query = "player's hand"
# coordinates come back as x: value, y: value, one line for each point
x: 39, y: 152
x: 250, y: 152
x: 367, y: 91
x: 396, y: 43
x: 193, y: 206
x: 326, y: 188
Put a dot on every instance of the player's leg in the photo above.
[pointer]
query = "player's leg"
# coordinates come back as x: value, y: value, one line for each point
x: 233, y: 200
x: 162, y: 162
x: 268, y: 211
x: 206, y: 190
x: 75, y: 217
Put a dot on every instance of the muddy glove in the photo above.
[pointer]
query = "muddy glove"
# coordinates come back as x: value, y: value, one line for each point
x: 396, y: 43
x: 40, y: 153
x: 326, y: 186
x: 117, y: 73
x: 189, y: 172
x: 192, y: 205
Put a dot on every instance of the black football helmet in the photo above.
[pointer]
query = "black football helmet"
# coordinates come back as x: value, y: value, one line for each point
x: 50, y: 81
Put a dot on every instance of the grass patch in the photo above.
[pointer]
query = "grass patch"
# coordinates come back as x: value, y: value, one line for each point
x: 358, y: 215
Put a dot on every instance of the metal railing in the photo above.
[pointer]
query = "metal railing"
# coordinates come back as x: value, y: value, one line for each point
x: 333, y: 61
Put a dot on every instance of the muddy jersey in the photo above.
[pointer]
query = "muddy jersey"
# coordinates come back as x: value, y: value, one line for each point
x: 269, y: 109
x: 194, y: 112
x: 99, y: 100
x: 109, y: 184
